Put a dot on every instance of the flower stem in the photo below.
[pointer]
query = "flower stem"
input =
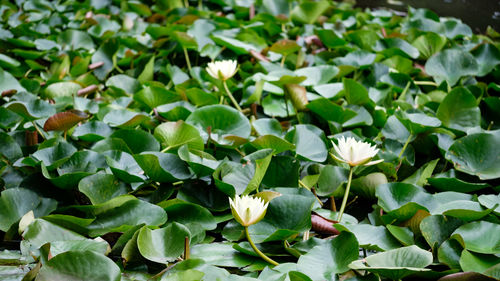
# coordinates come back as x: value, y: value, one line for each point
x: 426, y: 83
x: 346, y: 194
x: 233, y: 100
x: 188, y: 62
x: 405, y: 146
x: 38, y: 130
x: 261, y: 254
x: 283, y: 58
x: 186, y: 248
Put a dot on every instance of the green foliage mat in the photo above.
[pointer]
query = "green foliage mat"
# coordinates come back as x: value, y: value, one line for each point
x: 119, y: 151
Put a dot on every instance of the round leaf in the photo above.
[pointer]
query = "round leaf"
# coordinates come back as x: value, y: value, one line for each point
x: 450, y: 65
x: 80, y: 266
x: 64, y: 121
x: 162, y: 245
x: 221, y: 121
x: 459, y: 110
x: 477, y: 154
x: 323, y: 262
x: 479, y: 237
x: 163, y: 167
x: 62, y: 89
x: 15, y: 202
x: 396, y: 264
x: 92, y: 131
x: 175, y: 134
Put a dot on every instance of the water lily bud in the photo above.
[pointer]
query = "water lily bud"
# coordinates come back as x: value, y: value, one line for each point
x: 222, y: 70
x: 26, y: 220
x: 355, y: 153
x: 248, y: 210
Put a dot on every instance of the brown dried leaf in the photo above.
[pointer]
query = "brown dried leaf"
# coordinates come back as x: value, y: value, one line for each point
x: 63, y: 121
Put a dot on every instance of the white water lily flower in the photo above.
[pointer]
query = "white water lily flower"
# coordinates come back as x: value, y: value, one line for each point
x: 355, y: 153
x: 248, y: 210
x: 222, y: 70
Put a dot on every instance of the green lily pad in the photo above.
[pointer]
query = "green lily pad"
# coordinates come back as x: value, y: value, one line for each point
x: 80, y: 266
x: 428, y: 44
x: 330, y: 111
x: 221, y: 121
x: 9, y: 82
x: 179, y: 110
x: 124, y: 166
x: 323, y: 262
x: 122, y: 85
x: 163, y: 167
x: 10, y: 149
x: 487, y: 57
x: 459, y: 110
x: 396, y: 264
x: 79, y: 165
x: 59, y: 247
x: 32, y: 109
x: 417, y: 122
x: 449, y: 253
x: 449, y: 181
x: 121, y: 213
x: 154, y: 96
x: 371, y: 237
x: 437, y: 228
x: 488, y: 265
x: 396, y: 46
x: 162, y: 245
x: 450, y: 65
x: 101, y: 187
x: 173, y: 135
x: 285, y: 47
x: 55, y: 155
x: 62, y: 89
x: 367, y: 185
x: 489, y: 201
x: 138, y: 141
x: 355, y: 93
x: 287, y: 215
x: 104, y: 54
x: 8, y: 62
x: 272, y: 142
x: 330, y: 179
x: 317, y: 75
x: 479, y: 237
x: 9, y: 118
x: 308, y: 12
x: 476, y: 154
x: 221, y: 254
x: 41, y: 231
x: 201, y: 163
x: 358, y: 58
x: 309, y: 142
x: 16, y: 202
x: 234, y: 179
x: 72, y: 39
x: 124, y: 118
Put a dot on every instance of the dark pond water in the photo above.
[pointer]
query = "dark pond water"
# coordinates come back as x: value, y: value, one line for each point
x: 478, y: 14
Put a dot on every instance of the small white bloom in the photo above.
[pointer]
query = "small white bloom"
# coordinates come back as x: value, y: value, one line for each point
x: 222, y: 70
x: 355, y: 153
x: 248, y: 210
x: 26, y: 220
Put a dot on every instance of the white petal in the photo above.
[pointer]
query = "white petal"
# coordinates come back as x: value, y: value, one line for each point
x: 374, y: 162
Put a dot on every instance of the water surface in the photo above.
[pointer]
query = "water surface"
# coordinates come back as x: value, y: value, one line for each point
x: 478, y: 14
